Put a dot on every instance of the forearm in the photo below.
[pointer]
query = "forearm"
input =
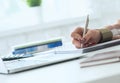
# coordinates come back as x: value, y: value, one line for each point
x: 109, y: 32
x: 115, y: 29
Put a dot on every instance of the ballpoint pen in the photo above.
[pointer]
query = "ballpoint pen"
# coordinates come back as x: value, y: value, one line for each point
x: 85, y: 28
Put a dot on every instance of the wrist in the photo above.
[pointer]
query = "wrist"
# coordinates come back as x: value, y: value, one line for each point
x: 105, y: 35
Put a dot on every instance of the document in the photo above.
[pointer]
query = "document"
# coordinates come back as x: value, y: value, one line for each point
x: 101, y: 58
x: 88, y: 49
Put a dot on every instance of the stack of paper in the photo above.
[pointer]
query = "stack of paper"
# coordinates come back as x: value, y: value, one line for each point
x: 101, y: 58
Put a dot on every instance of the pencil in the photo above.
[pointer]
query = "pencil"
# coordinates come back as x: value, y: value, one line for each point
x: 85, y: 28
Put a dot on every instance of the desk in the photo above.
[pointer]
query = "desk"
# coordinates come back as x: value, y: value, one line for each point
x: 68, y: 72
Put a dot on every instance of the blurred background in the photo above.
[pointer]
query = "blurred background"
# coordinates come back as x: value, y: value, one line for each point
x: 21, y: 22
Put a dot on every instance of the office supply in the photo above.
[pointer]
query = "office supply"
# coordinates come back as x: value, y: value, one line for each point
x: 36, y: 61
x: 101, y: 58
x: 102, y: 45
x: 39, y: 46
x: 15, y: 57
x: 85, y: 28
x: 68, y: 72
x: 88, y: 49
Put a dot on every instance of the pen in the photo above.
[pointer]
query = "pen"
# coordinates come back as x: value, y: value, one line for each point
x: 85, y: 28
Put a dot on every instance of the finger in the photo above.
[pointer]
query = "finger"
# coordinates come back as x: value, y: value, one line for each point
x: 76, y: 36
x: 92, y: 44
x: 85, y: 45
x: 77, y: 33
x: 87, y: 37
x: 89, y: 44
x: 76, y: 43
x: 79, y: 30
x: 116, y: 37
x: 91, y: 41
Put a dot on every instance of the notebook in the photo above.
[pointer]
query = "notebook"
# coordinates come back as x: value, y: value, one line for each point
x: 69, y: 50
x: 101, y: 58
x: 43, y: 59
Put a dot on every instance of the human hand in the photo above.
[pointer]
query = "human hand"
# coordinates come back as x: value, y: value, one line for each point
x: 92, y: 37
x: 114, y: 26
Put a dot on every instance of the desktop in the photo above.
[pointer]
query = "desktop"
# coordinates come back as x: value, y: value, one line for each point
x: 68, y: 72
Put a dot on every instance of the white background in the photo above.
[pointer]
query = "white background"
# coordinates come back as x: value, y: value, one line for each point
x: 57, y: 21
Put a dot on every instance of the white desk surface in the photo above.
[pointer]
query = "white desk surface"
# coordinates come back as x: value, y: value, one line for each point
x: 67, y: 72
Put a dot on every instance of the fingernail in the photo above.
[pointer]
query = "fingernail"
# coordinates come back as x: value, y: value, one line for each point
x: 82, y: 40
